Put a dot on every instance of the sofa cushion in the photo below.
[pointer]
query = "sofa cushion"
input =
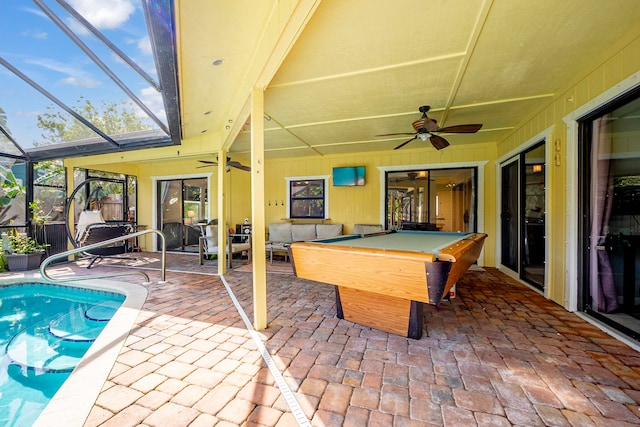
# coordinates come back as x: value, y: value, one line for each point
x: 211, y: 239
x: 367, y: 228
x: 280, y: 232
x: 211, y: 242
x: 324, y: 231
x: 303, y: 232
x: 86, y: 218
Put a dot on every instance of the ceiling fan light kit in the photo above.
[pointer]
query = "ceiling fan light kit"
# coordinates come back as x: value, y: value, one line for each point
x: 426, y: 127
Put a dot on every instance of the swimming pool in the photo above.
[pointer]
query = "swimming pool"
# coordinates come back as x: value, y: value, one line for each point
x: 53, y: 356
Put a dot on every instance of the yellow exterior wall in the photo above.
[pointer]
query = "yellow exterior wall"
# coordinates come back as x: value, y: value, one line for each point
x: 620, y: 65
x: 347, y: 205
x: 362, y: 205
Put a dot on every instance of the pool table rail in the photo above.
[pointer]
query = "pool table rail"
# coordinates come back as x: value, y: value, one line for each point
x: 463, y: 254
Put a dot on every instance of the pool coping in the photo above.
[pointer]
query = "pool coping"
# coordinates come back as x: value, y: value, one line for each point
x: 72, y: 403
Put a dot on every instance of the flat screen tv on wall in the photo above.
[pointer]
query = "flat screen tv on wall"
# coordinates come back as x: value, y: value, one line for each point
x: 348, y: 176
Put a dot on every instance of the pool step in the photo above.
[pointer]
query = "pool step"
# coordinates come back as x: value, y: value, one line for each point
x: 102, y: 312
x: 70, y: 327
x: 58, y: 346
x: 83, y: 325
x: 37, y: 352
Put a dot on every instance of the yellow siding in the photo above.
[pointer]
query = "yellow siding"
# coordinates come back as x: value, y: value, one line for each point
x: 619, y: 66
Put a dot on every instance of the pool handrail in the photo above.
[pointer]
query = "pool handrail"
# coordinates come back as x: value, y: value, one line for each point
x: 87, y: 248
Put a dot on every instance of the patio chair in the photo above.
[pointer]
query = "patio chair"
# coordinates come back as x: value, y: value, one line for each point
x: 209, y: 244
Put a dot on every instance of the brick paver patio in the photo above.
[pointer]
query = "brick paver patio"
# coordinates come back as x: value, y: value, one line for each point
x: 499, y: 354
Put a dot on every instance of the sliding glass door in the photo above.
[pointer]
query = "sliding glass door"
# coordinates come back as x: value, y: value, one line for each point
x: 182, y: 210
x: 509, y: 215
x: 522, y: 215
x: 610, y: 155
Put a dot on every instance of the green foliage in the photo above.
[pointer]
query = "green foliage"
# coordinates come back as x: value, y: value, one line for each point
x: 50, y: 173
x: 111, y: 118
x: 24, y: 245
x: 38, y: 216
x: 10, y: 186
x: 3, y: 120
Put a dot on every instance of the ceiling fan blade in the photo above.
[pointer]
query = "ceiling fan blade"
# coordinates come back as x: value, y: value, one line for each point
x: 438, y: 142
x: 208, y: 162
x: 459, y: 129
x: 405, y: 143
x: 396, y: 134
x: 425, y: 123
x: 240, y: 166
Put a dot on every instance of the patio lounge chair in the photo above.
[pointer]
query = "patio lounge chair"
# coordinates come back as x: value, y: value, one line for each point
x: 92, y: 229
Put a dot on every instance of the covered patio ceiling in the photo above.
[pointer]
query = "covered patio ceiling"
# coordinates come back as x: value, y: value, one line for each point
x: 357, y: 69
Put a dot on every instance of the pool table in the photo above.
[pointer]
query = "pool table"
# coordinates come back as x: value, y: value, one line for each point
x: 383, y: 279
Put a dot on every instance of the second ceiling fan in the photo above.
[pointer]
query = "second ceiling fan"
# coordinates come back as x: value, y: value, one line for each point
x: 427, y: 128
x: 230, y: 164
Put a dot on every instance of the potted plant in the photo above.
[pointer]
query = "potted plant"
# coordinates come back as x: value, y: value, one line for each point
x: 23, y: 252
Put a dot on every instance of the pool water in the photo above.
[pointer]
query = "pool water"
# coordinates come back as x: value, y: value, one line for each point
x: 44, y: 332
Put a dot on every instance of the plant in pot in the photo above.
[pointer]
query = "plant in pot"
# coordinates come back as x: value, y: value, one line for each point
x: 22, y: 252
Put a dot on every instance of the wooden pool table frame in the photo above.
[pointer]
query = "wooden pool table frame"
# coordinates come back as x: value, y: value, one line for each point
x: 383, y: 288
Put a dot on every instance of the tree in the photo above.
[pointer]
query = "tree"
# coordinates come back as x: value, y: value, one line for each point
x: 3, y: 120
x: 112, y: 118
x: 12, y: 193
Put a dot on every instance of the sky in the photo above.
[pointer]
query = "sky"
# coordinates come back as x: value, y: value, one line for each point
x: 31, y: 42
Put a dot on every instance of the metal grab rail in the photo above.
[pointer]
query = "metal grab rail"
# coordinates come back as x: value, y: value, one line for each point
x: 65, y: 254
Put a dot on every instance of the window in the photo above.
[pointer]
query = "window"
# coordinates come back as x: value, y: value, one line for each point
x: 307, y: 197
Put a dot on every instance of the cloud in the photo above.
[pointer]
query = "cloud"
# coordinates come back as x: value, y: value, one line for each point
x: 104, y: 14
x: 21, y: 113
x: 35, y: 34
x: 153, y: 100
x: 53, y: 65
x: 75, y: 76
x: 82, y: 81
x: 144, y: 44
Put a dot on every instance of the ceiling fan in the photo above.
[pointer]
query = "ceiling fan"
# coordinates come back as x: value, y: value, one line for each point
x: 230, y: 164
x: 427, y: 128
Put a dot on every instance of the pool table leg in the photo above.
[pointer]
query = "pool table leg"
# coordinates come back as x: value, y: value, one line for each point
x: 339, y: 312
x: 416, y: 318
x: 437, y: 275
x: 390, y: 314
